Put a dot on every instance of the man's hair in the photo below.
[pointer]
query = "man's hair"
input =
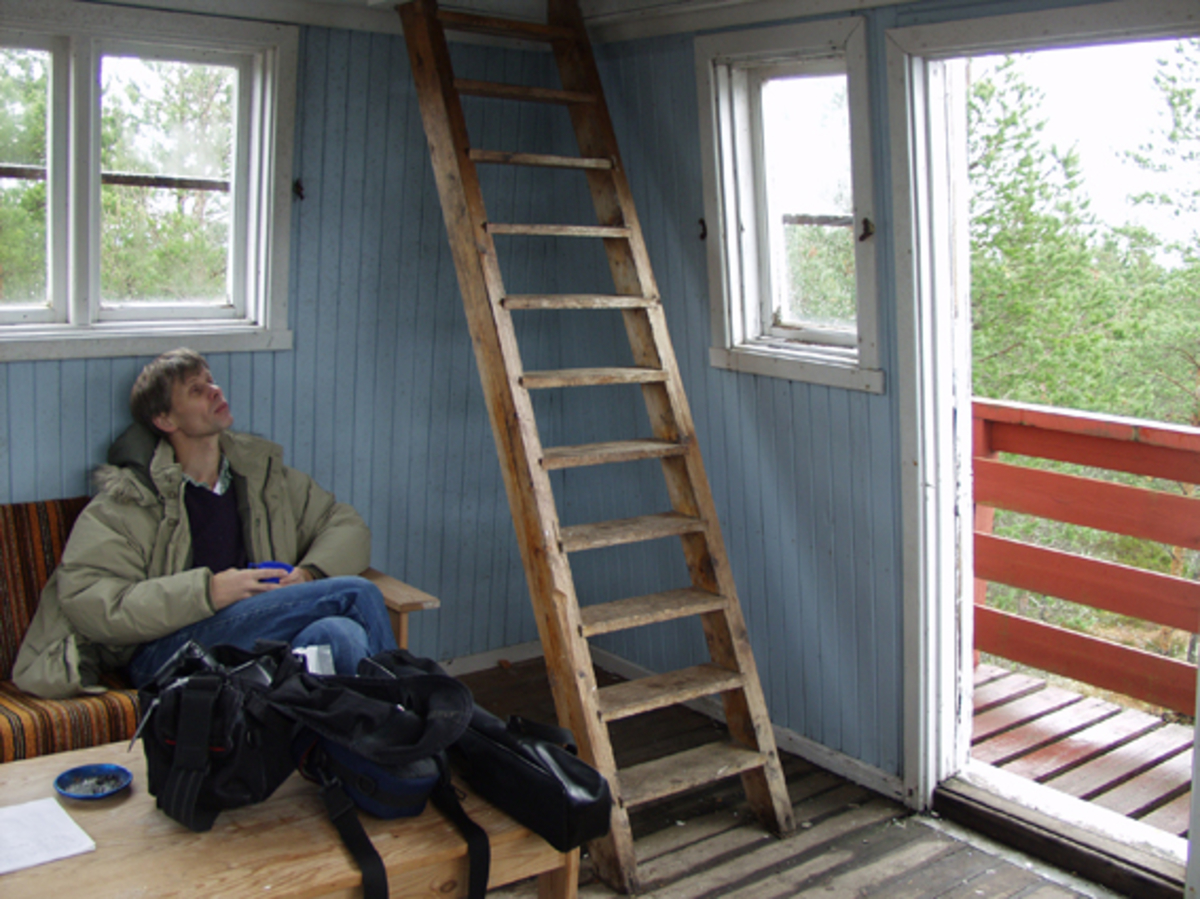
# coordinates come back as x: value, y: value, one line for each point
x: 151, y: 394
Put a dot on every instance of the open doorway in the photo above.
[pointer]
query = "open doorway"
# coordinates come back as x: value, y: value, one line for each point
x: 1085, y: 294
x: 930, y: 78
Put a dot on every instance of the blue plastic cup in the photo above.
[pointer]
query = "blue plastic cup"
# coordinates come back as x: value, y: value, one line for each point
x: 287, y: 569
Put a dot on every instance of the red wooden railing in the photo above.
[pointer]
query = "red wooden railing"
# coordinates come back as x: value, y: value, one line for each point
x: 1116, y: 444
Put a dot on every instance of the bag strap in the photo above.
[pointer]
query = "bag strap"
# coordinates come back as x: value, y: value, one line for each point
x: 344, y: 815
x: 479, y: 849
x: 189, y: 765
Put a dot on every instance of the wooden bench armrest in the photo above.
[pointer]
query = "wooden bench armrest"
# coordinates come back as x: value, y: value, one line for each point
x: 401, y: 598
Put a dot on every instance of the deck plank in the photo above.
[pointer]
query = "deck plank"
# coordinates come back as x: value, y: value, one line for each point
x: 1042, y: 731
x: 870, y: 861
x: 1098, y: 775
x: 956, y: 866
x: 1005, y: 689
x: 1080, y: 747
x: 1173, y: 817
x: 1148, y: 788
x: 999, y: 881
x: 999, y: 719
x: 985, y: 674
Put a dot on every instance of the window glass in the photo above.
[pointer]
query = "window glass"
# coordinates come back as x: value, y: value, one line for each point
x: 24, y: 84
x: 789, y: 202
x: 809, y: 201
x: 167, y: 137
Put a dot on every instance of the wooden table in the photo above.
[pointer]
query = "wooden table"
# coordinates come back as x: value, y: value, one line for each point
x: 285, y: 846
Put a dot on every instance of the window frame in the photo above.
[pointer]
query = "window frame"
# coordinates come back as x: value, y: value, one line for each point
x: 728, y: 66
x: 75, y: 326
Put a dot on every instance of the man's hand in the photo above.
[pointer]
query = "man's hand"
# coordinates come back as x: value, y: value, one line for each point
x: 297, y: 575
x: 235, y: 584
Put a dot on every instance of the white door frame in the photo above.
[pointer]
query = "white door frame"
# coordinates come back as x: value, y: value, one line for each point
x: 933, y: 364
x: 934, y: 387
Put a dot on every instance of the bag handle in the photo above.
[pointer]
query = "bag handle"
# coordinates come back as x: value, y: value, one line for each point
x: 189, y: 765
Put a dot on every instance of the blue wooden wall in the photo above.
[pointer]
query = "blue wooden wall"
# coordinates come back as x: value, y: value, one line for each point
x: 804, y: 476
x: 380, y: 398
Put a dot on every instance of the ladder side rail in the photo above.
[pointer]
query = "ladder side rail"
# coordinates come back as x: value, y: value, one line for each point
x: 509, y: 407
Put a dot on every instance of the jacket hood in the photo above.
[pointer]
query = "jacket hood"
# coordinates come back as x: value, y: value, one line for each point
x: 127, y: 474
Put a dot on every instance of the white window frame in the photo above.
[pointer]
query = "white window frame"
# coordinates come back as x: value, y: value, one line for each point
x: 728, y: 66
x: 75, y: 325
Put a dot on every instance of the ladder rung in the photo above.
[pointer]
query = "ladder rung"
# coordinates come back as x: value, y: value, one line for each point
x: 591, y: 377
x: 670, y: 688
x: 500, y: 91
x: 685, y: 771
x: 545, y: 160
x: 605, y: 453
x: 636, y: 611
x: 628, y: 530
x: 533, y: 31
x: 618, y: 232
x: 576, y: 301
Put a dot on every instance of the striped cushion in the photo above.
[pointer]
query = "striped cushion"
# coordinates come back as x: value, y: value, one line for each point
x: 32, y: 536
x: 31, y: 727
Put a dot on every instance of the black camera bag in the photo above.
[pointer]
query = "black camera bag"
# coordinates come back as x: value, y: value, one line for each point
x: 214, y: 735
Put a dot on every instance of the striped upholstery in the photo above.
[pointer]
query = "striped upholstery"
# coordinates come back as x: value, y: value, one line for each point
x: 32, y: 536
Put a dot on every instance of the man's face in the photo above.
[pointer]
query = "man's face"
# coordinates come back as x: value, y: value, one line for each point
x: 198, y: 408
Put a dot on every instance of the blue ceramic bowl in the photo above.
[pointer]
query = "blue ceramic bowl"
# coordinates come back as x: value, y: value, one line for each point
x: 93, y: 781
x: 284, y: 566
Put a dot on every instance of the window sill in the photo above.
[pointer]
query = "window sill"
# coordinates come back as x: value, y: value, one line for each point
x: 25, y: 343
x: 837, y: 368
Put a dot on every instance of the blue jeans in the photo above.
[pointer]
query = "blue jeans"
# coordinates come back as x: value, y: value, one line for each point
x: 346, y: 613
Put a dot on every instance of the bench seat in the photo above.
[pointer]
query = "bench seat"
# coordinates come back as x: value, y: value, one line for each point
x: 32, y: 537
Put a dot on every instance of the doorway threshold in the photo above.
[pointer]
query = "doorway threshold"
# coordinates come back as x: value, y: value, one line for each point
x: 1092, y: 842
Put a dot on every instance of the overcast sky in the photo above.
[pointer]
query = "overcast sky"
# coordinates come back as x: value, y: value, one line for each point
x: 1103, y: 101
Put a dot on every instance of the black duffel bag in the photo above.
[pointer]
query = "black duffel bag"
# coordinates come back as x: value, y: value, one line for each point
x: 214, y: 735
x: 529, y: 771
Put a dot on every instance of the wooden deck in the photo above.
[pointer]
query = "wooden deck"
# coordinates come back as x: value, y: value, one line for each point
x: 848, y: 841
x: 1122, y: 759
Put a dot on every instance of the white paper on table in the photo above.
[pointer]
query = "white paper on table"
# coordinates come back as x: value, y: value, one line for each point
x: 37, y: 832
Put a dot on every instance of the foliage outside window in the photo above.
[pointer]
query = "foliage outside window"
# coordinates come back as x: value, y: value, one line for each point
x: 788, y: 203
x: 144, y: 190
x: 167, y: 139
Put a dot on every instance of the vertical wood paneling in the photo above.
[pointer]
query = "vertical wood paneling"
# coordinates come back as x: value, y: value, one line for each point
x: 803, y: 475
x: 380, y: 399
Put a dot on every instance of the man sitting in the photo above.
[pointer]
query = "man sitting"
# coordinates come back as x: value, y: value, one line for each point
x: 161, y: 555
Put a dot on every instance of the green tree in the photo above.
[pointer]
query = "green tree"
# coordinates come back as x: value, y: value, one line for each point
x: 23, y: 84
x: 1076, y: 313
x: 1175, y: 148
x: 163, y: 243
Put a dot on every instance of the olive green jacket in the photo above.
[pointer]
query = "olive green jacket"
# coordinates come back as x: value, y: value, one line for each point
x: 126, y: 575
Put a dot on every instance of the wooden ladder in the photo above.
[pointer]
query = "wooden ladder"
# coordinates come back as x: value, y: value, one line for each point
x: 545, y: 545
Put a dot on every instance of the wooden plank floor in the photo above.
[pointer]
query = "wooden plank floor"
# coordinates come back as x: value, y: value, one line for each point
x: 848, y: 841
x: 1125, y: 760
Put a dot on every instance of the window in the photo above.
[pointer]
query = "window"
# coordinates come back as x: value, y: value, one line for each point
x: 788, y: 203
x: 145, y: 170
